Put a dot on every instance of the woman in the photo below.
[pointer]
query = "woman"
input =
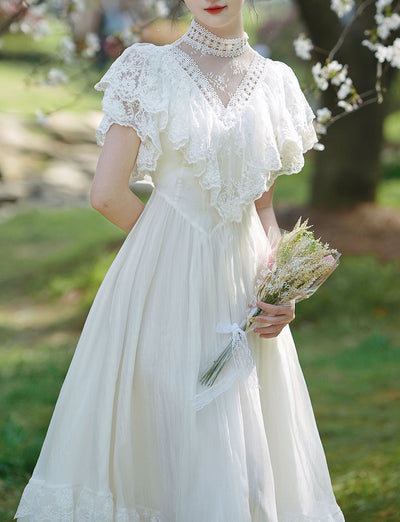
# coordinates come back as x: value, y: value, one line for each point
x: 215, y: 124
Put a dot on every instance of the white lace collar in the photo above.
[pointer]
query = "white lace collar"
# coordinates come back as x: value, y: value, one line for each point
x: 209, y: 43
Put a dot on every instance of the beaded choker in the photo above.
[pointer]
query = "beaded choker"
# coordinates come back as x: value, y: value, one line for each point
x: 209, y: 43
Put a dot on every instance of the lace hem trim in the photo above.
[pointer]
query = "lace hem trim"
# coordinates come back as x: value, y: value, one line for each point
x: 42, y: 502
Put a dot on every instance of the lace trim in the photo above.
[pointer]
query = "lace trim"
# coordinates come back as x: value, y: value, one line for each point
x: 236, y: 157
x: 242, y: 94
x: 42, y: 502
x: 132, y: 98
x: 209, y: 43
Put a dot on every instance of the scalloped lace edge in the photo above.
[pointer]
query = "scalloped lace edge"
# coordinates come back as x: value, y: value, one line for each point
x: 42, y: 502
x: 291, y: 151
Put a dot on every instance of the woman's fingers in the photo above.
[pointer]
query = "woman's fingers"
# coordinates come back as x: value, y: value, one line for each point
x: 274, y: 319
x: 276, y: 314
x: 270, y: 331
x: 271, y: 319
x: 271, y: 309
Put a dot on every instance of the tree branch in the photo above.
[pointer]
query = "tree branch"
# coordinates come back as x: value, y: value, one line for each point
x: 346, y: 30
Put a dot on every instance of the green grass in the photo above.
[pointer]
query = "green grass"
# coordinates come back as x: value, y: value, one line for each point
x: 21, y: 94
x: 346, y: 338
x: 349, y: 346
x: 392, y: 128
x: 50, y: 251
x: 54, y: 263
x: 25, y: 62
x: 20, y: 44
x: 295, y: 188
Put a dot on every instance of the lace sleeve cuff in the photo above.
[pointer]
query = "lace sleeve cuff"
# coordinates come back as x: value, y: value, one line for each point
x: 295, y: 130
x: 132, y: 98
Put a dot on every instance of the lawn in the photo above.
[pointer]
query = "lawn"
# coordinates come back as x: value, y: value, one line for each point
x: 26, y: 96
x: 24, y: 63
x: 348, y: 345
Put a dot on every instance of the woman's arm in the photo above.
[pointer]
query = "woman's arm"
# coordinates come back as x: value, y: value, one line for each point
x: 274, y: 317
x: 265, y: 211
x: 110, y: 193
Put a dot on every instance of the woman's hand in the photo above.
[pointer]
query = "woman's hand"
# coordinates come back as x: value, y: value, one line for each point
x: 273, y: 319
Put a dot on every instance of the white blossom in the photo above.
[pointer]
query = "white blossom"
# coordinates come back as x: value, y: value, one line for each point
x: 342, y: 7
x: 337, y: 72
x: 128, y: 37
x: 386, y: 24
x: 68, y: 44
x: 40, y: 29
x: 36, y: 29
x: 390, y: 53
x: 320, y: 75
x: 33, y: 23
x: 14, y: 27
x: 319, y: 146
x: 68, y: 48
x: 395, y: 61
x: 161, y: 8
x: 303, y: 47
x: 381, y: 4
x: 383, y: 53
x: 37, y: 10
x: 348, y: 107
x: 323, y: 115
x: 334, y: 66
x: 92, y: 42
x: 345, y: 89
x: 41, y: 119
x: 321, y: 128
x: 56, y: 76
x: 370, y: 45
x: 78, y: 5
x: 333, y: 72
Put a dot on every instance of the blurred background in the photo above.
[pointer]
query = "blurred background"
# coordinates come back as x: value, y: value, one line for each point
x: 55, y: 250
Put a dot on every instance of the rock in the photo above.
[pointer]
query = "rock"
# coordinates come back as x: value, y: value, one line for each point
x: 74, y: 128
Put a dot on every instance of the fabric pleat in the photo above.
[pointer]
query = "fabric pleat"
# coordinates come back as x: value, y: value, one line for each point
x: 125, y: 441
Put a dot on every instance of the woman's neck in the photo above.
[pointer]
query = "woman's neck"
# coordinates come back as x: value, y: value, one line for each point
x: 209, y: 42
x: 232, y: 30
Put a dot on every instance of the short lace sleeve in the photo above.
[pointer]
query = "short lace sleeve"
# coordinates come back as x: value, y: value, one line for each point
x: 295, y: 131
x: 132, y: 98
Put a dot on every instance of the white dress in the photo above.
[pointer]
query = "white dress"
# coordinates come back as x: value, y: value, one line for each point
x: 126, y: 442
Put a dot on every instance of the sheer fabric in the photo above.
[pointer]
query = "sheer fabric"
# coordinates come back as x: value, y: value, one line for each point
x: 126, y: 442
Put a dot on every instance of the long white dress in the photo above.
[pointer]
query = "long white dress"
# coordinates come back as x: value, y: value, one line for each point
x: 126, y: 442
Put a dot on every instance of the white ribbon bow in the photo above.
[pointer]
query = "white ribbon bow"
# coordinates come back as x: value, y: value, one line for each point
x: 243, y: 370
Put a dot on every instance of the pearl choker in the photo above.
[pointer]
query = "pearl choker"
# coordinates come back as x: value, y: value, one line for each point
x: 209, y: 43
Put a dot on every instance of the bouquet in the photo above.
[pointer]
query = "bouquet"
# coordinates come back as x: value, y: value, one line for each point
x: 297, y: 268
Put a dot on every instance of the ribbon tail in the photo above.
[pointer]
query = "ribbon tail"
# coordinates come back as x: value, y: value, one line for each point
x: 243, y: 370
x: 205, y: 397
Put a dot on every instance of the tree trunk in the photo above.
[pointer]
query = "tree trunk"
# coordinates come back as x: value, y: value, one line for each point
x: 348, y: 170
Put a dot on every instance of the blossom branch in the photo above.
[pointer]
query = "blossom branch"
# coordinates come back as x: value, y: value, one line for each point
x: 22, y: 8
x: 359, y: 11
x: 331, y: 73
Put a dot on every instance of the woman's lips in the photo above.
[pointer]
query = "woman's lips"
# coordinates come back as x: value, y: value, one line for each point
x: 215, y: 9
